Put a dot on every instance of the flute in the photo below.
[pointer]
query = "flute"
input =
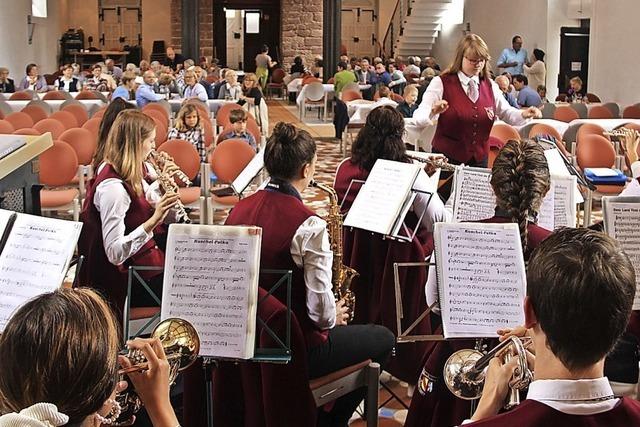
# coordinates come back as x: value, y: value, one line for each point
x: 436, y: 162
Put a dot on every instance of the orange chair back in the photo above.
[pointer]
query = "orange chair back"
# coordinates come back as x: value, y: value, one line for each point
x: 58, y: 164
x: 50, y: 125
x: 350, y: 95
x: 6, y: 127
x: 21, y: 96
x: 155, y: 114
x: 87, y: 94
x: 595, y: 151
x: 27, y: 131
x: 208, y: 131
x: 185, y: 156
x: 495, y: 145
x: 78, y: 111
x: 54, y: 95
x: 161, y: 131
x: 504, y: 132
x: 599, y: 112
x: 566, y: 114
x: 631, y: 112
x: 83, y: 143
x: 222, y: 116
x: 544, y: 129
x: 66, y: 118
x: 20, y: 120
x: 632, y: 126
x: 592, y: 97
x: 93, y: 126
x: 155, y: 107
x: 99, y: 113
x: 230, y: 158
x: 36, y: 113
x: 590, y: 129
x: 278, y: 76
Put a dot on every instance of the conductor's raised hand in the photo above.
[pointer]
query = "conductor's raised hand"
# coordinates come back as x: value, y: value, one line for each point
x: 342, y: 313
x: 532, y: 113
x: 439, y: 107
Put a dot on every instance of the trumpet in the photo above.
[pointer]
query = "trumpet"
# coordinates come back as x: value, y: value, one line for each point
x: 181, y: 345
x: 436, y: 162
x: 168, y: 184
x: 465, y: 371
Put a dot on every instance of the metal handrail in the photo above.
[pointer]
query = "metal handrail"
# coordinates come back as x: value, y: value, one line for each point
x: 396, y: 27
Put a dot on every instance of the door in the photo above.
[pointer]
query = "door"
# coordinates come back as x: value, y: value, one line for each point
x: 358, y: 31
x: 120, y: 24
x: 574, y: 56
x: 235, y: 37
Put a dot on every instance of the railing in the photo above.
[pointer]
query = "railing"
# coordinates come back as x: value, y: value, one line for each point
x: 395, y: 28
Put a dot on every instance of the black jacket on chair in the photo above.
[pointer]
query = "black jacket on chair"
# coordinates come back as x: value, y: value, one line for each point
x: 8, y: 87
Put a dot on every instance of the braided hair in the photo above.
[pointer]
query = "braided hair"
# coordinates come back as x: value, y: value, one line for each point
x: 520, y: 180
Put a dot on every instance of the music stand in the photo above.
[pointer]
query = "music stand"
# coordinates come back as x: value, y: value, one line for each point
x: 134, y: 275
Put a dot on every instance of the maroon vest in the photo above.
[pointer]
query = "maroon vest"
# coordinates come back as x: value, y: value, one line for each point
x: 531, y: 413
x: 280, y: 215
x: 97, y: 271
x: 463, y: 130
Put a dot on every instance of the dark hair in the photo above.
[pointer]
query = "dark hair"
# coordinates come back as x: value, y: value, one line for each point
x: 521, y: 79
x: 538, y: 54
x: 94, y: 66
x: 297, y: 60
x: 288, y: 150
x: 30, y: 67
x: 581, y: 287
x: 60, y: 348
x: 513, y: 40
x: 520, y: 180
x: 108, y: 118
x: 237, y: 115
x: 342, y: 65
x: 264, y: 49
x: 541, y: 87
x: 380, y: 138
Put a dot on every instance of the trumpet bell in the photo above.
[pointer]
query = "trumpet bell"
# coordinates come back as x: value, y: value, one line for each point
x: 457, y: 375
x: 180, y: 342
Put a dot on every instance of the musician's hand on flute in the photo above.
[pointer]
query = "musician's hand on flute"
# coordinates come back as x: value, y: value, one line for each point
x: 166, y: 202
x: 496, y: 388
x: 630, y: 141
x: 342, y: 313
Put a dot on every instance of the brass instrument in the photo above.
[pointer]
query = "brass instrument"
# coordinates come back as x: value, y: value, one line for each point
x: 622, y: 133
x: 168, y: 184
x: 464, y: 371
x: 342, y: 275
x: 181, y: 345
x: 436, y: 162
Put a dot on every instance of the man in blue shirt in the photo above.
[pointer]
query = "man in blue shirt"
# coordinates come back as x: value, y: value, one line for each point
x: 513, y: 59
x: 504, y: 85
x: 527, y: 97
x: 145, y: 93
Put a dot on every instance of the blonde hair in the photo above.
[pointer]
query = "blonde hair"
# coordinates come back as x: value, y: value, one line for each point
x: 250, y: 77
x: 576, y: 79
x: 410, y: 89
x: 471, y: 44
x: 185, y: 110
x: 123, y: 149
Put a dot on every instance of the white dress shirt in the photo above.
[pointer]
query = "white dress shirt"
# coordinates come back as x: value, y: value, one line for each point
x: 434, y: 92
x: 573, y: 397
x: 311, y: 251
x: 633, y: 187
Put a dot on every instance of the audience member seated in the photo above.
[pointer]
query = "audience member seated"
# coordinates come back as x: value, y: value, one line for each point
x: 428, y: 74
x: 231, y: 89
x: 142, y: 68
x: 193, y: 89
x: 33, y: 81
x: 398, y: 81
x: 412, y: 69
x: 527, y: 97
x: 409, y: 105
x: 77, y: 73
x: 342, y: 78
x: 6, y: 84
x: 430, y: 62
x: 96, y: 82
x: 570, y: 346
x: 113, y: 70
x: 173, y: 59
x: 221, y: 82
x: 59, y: 356
x: 156, y: 66
x: 126, y: 88
x: 576, y: 93
x: 187, y: 127
x: 251, y: 96
x: 111, y: 82
x: 166, y: 85
x: 297, y: 68
x: 145, y: 93
x: 542, y: 92
x: 67, y: 82
x: 365, y: 74
x: 505, y: 87
x: 201, y: 76
x: 238, y: 119
x: 382, y: 77
x: 317, y: 67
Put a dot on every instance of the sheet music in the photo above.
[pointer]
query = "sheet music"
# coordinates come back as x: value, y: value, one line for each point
x: 546, y: 217
x: 34, y: 260
x: 557, y: 167
x: 565, y: 202
x: 474, y: 199
x: 481, y: 278
x: 247, y: 175
x: 4, y: 220
x: 211, y: 280
x: 622, y: 222
x: 379, y: 201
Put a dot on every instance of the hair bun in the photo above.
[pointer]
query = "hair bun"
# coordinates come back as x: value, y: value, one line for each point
x: 285, y: 133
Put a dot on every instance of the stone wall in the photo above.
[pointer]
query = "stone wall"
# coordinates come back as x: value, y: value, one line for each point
x: 301, y: 32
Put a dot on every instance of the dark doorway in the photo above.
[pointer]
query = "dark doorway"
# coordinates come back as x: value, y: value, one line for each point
x: 261, y: 25
x: 574, y: 56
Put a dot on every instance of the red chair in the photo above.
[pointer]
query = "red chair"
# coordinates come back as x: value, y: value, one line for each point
x: 561, y: 97
x: 84, y: 144
x: 590, y: 129
x: 78, y: 111
x: 565, y: 114
x: 495, y: 145
x: 99, y: 113
x: 152, y: 106
x: 631, y: 112
x: 209, y: 133
x: 21, y: 96
x: 161, y: 131
x: 277, y: 81
x: 58, y: 167
x: 93, y: 126
x: 27, y: 131
x: 55, y: 95
x: 50, y: 125
x: 66, y: 118
x: 88, y: 94
x: 599, y: 112
x: 593, y: 97
x: 6, y: 127
x: 20, y: 120
x: 351, y: 95
x: 504, y: 132
x: 545, y: 129
x: 156, y: 114
x: 397, y: 97
x: 222, y: 115
x: 36, y: 113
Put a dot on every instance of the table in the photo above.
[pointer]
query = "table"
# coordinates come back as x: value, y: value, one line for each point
x: 328, y: 90
x: 100, y: 54
x: 89, y: 104
x: 359, y: 109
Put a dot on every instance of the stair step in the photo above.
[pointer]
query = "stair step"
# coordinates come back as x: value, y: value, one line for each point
x: 419, y: 37
x: 409, y: 42
x: 418, y: 26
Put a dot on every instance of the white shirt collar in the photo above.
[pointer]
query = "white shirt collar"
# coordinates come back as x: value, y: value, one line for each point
x: 578, y: 397
x: 464, y: 79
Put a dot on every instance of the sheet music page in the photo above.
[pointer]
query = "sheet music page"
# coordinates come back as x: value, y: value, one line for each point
x: 34, y: 260
x: 546, y: 217
x: 481, y: 278
x: 211, y: 280
x: 474, y: 199
x: 564, y: 201
x: 557, y: 167
x: 247, y: 175
x: 4, y: 220
x: 382, y: 196
x: 622, y: 222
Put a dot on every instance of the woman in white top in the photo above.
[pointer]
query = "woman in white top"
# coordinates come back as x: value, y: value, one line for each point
x: 231, y: 89
x: 537, y: 71
x: 193, y: 89
x: 67, y: 82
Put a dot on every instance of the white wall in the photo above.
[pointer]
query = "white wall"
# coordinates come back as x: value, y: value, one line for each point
x: 16, y: 52
x: 613, y: 51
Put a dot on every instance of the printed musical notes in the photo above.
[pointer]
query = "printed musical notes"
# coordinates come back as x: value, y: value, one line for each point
x: 474, y: 199
x: 34, y: 259
x: 622, y: 222
x: 481, y: 278
x: 211, y: 280
x: 559, y: 207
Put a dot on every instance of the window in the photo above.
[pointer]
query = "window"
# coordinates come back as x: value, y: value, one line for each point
x: 39, y: 8
x: 253, y: 22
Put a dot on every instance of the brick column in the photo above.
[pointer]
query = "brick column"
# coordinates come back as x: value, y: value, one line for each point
x: 301, y: 30
x: 176, y: 24
x: 205, y: 19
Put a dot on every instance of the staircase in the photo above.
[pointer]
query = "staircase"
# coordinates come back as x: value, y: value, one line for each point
x: 419, y: 27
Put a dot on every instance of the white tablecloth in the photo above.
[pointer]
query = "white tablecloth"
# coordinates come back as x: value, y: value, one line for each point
x: 214, y: 104
x: 359, y: 109
x: 328, y: 91
x: 89, y: 104
x: 41, y: 95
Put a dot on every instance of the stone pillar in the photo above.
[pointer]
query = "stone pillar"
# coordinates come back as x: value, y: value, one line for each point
x: 301, y: 30
x: 190, y: 29
x: 331, y: 37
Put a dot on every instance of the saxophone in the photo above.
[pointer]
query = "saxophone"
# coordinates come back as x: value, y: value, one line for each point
x: 342, y: 275
x: 168, y: 184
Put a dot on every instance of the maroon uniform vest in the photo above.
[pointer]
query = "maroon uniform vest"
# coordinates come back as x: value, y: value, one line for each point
x: 280, y: 215
x: 531, y: 413
x: 97, y: 271
x: 463, y: 130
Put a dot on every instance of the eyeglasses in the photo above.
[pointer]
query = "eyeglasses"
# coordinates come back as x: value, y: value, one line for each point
x: 475, y: 61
